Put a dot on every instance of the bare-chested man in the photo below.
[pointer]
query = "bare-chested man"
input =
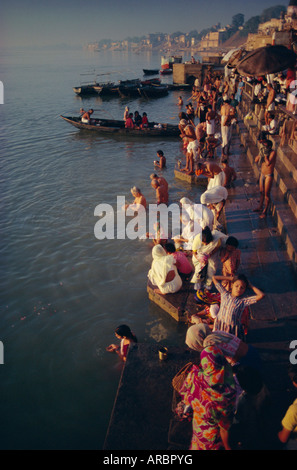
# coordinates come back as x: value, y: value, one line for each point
x: 139, y: 199
x: 270, y: 103
x: 189, y: 135
x: 160, y: 179
x: 226, y: 117
x: 161, y: 192
x: 86, y: 116
x: 267, y: 159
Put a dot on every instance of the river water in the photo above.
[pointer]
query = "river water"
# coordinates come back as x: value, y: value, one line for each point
x: 63, y: 292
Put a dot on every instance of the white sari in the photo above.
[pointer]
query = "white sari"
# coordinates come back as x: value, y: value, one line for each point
x: 162, y: 264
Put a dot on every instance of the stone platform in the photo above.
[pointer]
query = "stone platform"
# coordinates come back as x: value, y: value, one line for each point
x: 200, y: 181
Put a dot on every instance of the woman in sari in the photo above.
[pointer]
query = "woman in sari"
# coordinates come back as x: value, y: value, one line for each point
x: 210, y: 390
x: 163, y: 273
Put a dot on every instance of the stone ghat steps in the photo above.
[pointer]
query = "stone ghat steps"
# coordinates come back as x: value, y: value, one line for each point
x: 284, y: 191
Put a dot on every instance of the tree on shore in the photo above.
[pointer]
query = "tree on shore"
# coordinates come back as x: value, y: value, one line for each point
x: 272, y: 12
x: 237, y: 20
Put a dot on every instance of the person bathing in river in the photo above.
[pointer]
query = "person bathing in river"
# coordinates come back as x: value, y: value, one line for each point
x: 160, y: 179
x: 162, y: 160
x: 161, y: 192
x: 127, y: 337
x: 180, y: 101
x: 139, y: 199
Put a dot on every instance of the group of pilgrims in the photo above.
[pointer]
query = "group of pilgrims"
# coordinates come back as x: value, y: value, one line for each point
x: 224, y: 394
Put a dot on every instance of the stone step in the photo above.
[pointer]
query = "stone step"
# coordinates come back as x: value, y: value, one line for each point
x: 289, y: 159
x: 287, y: 186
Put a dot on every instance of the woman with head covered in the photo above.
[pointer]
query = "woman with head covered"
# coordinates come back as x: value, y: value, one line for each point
x: 235, y: 350
x: 163, y: 273
x: 210, y: 390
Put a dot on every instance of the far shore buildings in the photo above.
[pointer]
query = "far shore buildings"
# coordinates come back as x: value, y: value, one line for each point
x: 281, y: 30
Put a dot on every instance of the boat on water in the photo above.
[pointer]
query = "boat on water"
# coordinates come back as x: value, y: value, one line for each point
x: 106, y: 89
x: 127, y: 88
x: 150, y: 71
x: 149, y: 88
x: 153, y: 91
x: 167, y: 64
x: 166, y: 71
x: 85, y: 89
x: 179, y: 86
x: 117, y: 127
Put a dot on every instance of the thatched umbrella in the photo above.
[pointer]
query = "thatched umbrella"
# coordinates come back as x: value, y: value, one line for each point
x: 266, y: 60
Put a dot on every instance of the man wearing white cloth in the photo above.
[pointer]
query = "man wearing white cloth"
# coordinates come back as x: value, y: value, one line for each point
x: 226, y: 129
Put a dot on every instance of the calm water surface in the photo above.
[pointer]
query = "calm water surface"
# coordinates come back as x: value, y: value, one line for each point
x: 63, y: 291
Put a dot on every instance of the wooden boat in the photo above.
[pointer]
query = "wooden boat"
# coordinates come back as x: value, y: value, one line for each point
x: 153, y: 91
x: 85, y: 89
x: 166, y: 71
x: 106, y: 89
x: 128, y: 88
x: 150, y: 71
x: 117, y: 127
x: 179, y: 86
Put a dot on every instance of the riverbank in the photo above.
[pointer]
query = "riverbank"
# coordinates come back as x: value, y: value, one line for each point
x: 144, y: 399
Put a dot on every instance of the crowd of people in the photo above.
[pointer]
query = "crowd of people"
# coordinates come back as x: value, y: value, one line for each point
x: 230, y: 403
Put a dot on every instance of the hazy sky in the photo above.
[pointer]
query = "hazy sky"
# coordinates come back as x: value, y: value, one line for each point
x: 49, y: 22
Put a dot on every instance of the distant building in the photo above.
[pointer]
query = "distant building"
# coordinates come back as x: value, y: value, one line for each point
x: 213, y: 40
x: 278, y: 31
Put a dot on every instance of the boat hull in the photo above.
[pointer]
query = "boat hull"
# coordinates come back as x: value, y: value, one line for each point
x: 150, y: 71
x: 115, y: 127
